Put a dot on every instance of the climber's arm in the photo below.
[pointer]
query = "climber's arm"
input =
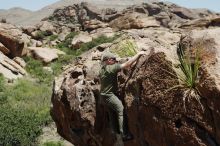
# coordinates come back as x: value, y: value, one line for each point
x: 132, y: 60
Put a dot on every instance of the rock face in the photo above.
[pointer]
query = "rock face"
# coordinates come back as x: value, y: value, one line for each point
x: 155, y: 110
x: 44, y: 54
x: 156, y: 114
x: 88, y: 16
x: 9, y: 68
x: 80, y: 39
x: 134, y: 21
x: 13, y: 39
x: 3, y: 49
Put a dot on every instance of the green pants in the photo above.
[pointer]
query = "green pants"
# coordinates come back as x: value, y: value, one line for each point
x: 115, y: 108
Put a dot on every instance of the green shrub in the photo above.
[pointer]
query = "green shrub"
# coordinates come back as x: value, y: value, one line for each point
x: 3, y: 98
x: 125, y: 48
x: 35, y: 68
x: 68, y: 39
x: 71, y: 35
x: 95, y: 42
x: 53, y: 143
x: 24, y: 113
x: 53, y: 37
x: 41, y: 35
x: 27, y: 93
x: 18, y: 127
x: 2, y: 83
x: 60, y: 62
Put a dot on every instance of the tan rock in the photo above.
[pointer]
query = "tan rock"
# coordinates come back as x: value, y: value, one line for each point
x: 44, y: 54
x: 9, y: 68
x: 7, y: 73
x: 3, y: 49
x: 108, y: 32
x: 134, y: 20
x: 201, y: 23
x: 59, y: 52
x: 214, y: 67
x: 47, y: 26
x: 11, y: 38
x: 20, y: 61
x: 80, y: 39
x: 94, y: 24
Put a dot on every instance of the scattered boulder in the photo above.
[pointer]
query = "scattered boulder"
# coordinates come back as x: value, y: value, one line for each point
x: 10, y: 69
x: 94, y: 24
x: 201, y: 23
x: 184, y: 13
x: 36, y: 43
x: 20, y: 61
x: 11, y: 38
x: 59, y: 52
x: 134, y: 21
x: 46, y: 26
x: 108, y: 32
x: 28, y: 29
x: 80, y: 39
x: 152, y: 8
x: 44, y: 54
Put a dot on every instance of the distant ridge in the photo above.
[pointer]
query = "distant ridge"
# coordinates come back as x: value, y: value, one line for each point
x: 23, y: 17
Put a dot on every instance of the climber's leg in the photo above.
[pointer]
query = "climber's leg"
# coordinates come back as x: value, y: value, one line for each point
x: 115, y: 104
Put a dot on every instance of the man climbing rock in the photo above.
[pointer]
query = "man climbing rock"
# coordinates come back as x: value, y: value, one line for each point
x: 108, y: 77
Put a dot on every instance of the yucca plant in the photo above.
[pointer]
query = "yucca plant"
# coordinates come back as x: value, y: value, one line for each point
x: 190, y: 63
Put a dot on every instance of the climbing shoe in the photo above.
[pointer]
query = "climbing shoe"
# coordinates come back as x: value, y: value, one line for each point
x: 127, y: 137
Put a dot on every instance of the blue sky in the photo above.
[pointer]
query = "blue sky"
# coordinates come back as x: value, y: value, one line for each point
x: 38, y: 4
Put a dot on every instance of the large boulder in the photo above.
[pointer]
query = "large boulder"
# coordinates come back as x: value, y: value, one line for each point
x: 46, y: 26
x: 201, y: 23
x: 79, y: 39
x: 10, y: 69
x: 146, y: 89
x: 13, y: 39
x: 134, y: 21
x: 20, y: 61
x: 94, y: 24
x: 46, y: 55
x: 108, y: 32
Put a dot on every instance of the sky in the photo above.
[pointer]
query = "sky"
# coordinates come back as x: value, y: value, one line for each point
x: 38, y: 4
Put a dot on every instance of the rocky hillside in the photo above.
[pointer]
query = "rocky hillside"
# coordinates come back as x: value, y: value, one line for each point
x: 22, y: 17
x: 14, y: 15
x: 162, y: 111
x: 166, y: 105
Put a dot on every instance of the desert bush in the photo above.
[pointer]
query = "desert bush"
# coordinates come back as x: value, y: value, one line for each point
x: 125, y: 48
x: 35, y: 68
x: 61, y: 62
x: 24, y: 113
x: 95, y: 42
x: 3, y: 98
x: 19, y: 127
x: 41, y: 35
x: 68, y: 39
x: 2, y: 83
x: 53, y: 37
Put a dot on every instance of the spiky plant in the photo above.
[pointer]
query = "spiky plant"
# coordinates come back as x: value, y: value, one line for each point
x: 125, y: 48
x: 190, y: 64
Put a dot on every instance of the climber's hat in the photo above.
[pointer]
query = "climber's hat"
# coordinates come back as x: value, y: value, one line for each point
x: 108, y: 55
